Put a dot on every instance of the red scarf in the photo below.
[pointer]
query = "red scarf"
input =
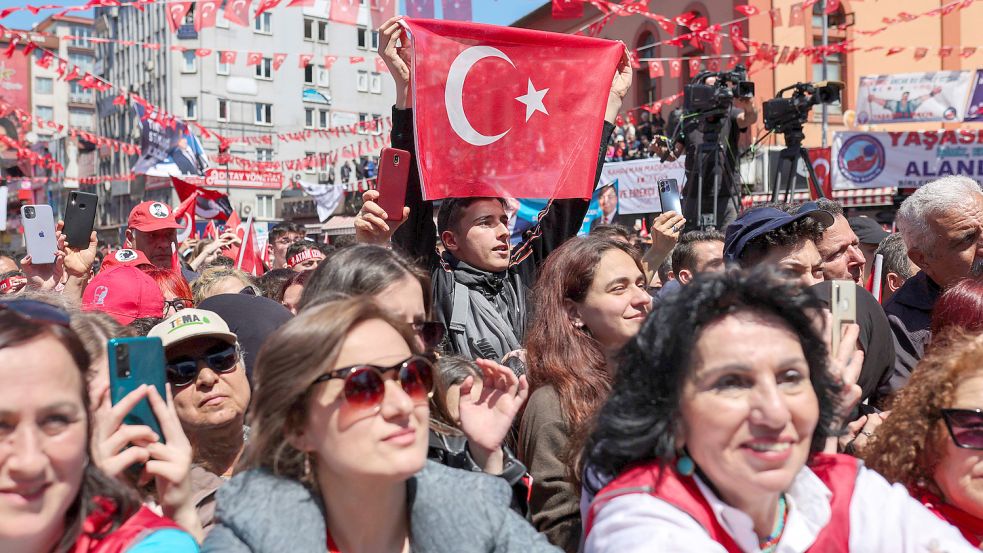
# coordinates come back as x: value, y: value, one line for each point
x: 970, y: 526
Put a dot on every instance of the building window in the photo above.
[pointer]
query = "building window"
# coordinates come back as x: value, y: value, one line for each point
x: 263, y: 23
x: 309, y: 74
x: 322, y: 31
x: 308, y: 29
x: 220, y: 21
x: 376, y: 83
x: 835, y: 62
x: 367, y: 39
x: 44, y: 112
x: 79, y: 95
x: 189, y: 16
x: 264, y: 206
x: 85, y: 62
x: 81, y: 35
x: 190, y: 62
x: 264, y: 70
x: 362, y: 81
x: 264, y: 154
x: 309, y: 118
x: 323, y: 77
x: 315, y: 29
x: 324, y: 118
x: 190, y: 108
x: 222, y: 111
x: 44, y: 85
x: 311, y: 170
x: 222, y: 68
x: 81, y: 118
x: 264, y: 114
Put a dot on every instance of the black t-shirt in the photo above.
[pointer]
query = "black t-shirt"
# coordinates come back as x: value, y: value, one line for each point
x: 692, y: 137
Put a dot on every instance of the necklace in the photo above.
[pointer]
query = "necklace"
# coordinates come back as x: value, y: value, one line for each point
x: 769, y: 544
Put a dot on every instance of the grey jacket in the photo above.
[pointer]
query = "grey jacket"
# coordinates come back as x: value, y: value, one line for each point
x: 451, y: 511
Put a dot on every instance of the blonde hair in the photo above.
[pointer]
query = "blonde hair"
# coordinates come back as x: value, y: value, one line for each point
x: 202, y: 286
x: 290, y: 361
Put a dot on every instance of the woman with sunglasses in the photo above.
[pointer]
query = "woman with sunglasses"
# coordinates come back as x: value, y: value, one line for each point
x: 933, y: 441
x: 206, y: 370
x: 712, y: 437
x: 52, y: 497
x: 337, y: 455
x: 177, y: 293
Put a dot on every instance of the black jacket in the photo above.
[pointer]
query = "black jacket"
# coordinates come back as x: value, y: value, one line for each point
x: 418, y: 238
x: 910, y: 313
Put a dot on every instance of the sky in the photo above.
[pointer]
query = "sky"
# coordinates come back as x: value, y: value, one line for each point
x: 496, y: 12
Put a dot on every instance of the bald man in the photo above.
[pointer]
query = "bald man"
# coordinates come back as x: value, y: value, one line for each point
x: 7, y: 264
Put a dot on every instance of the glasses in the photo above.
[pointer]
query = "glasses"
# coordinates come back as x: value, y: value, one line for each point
x: 177, y: 304
x: 365, y: 385
x: 431, y: 332
x: 965, y: 427
x: 36, y: 311
x: 184, y: 370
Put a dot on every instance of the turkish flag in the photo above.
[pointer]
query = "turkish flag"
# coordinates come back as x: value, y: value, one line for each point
x: 210, y: 204
x: 301, y: 4
x: 254, y: 58
x: 822, y: 163
x: 567, y: 9
x: 356, y: 59
x: 920, y: 53
x: 184, y: 214
x: 795, y: 17
x: 500, y: 111
x: 303, y: 60
x: 714, y: 65
x: 237, y: 11
x: 832, y: 6
x: 344, y: 11
x: 655, y: 69
x: 278, y: 60
x: 736, y: 39
x: 329, y: 61
x: 457, y: 10
x: 211, y: 231
x: 381, y: 11
x: 266, y: 5
x: 675, y: 68
x: 205, y: 13
x: 776, y: 17
x: 227, y: 56
x: 250, y: 260
x: 694, y: 66
x: 895, y: 50
x: 176, y: 13
x: 420, y: 8
x: 746, y: 10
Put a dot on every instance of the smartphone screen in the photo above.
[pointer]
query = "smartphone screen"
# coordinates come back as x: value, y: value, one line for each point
x: 843, y: 304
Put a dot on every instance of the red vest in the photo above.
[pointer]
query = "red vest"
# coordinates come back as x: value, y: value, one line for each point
x: 837, y: 472
x: 142, y: 523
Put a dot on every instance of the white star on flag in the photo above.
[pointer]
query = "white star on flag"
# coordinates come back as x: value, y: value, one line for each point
x: 533, y: 99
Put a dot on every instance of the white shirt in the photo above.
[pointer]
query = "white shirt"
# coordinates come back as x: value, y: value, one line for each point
x: 883, y: 519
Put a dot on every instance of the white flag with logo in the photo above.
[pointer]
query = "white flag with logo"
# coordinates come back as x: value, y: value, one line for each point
x: 326, y: 196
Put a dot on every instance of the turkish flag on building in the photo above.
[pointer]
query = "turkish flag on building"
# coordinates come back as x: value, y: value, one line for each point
x: 457, y: 10
x: 254, y: 58
x: 356, y: 59
x: 381, y: 11
x: 501, y: 112
x: 821, y: 159
x: 205, y: 13
x: 675, y: 68
x: 329, y: 61
x: 920, y: 53
x: 227, y: 56
x: 795, y: 17
x: 278, y: 60
x: 655, y: 69
x: 736, y: 38
x: 344, y: 11
x: 237, y: 11
x: 694, y: 66
x: 265, y: 6
x: 176, y: 13
x: 776, y: 17
x: 209, y: 204
x: 713, y: 65
x: 420, y: 8
x: 568, y: 9
x: 303, y: 60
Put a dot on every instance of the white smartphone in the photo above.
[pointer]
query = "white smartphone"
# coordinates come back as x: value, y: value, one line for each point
x: 39, y: 233
x: 843, y: 304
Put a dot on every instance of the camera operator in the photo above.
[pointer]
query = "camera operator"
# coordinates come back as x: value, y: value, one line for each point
x: 686, y: 137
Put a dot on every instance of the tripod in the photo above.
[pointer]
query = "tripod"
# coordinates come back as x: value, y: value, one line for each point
x: 788, y: 160
x: 711, y: 151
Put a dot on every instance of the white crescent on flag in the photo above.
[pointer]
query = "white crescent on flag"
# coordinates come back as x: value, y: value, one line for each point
x: 454, y: 93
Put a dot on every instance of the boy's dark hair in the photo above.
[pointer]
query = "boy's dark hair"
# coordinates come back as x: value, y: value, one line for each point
x: 451, y: 210
x: 272, y: 282
x: 618, y: 232
x: 664, y: 271
x: 301, y: 245
x: 791, y: 234
x: 683, y: 253
x: 285, y: 227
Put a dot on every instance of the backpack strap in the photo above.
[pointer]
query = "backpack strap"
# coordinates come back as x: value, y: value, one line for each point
x: 459, y: 318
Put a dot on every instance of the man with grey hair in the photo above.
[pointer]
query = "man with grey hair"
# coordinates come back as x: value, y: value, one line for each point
x: 942, y: 226
x: 897, y: 267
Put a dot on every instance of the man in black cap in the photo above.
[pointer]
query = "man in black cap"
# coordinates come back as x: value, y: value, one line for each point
x: 787, y: 240
x: 870, y: 234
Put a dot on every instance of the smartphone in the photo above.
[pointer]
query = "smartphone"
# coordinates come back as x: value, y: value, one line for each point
x: 80, y: 215
x: 669, y: 196
x: 39, y: 233
x: 133, y: 362
x: 394, y: 174
x: 843, y: 304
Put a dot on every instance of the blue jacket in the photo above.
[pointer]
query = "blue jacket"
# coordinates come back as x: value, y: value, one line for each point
x: 451, y: 511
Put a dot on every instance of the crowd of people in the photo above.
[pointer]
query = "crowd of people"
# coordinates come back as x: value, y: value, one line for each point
x: 428, y: 387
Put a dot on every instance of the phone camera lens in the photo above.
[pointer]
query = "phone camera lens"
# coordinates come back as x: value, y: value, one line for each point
x: 29, y: 212
x: 395, y: 160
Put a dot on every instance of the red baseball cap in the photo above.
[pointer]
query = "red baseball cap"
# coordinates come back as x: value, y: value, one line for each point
x: 151, y: 216
x: 125, y: 293
x: 125, y: 258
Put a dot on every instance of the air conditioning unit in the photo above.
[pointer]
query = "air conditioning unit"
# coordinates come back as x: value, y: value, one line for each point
x: 247, y: 208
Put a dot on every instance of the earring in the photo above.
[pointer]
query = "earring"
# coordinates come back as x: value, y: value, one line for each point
x: 685, y: 465
x: 307, y: 465
x: 578, y: 324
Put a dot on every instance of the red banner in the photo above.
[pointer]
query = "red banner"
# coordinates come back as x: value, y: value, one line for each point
x: 821, y: 159
x: 176, y: 13
x: 237, y: 11
x: 495, y: 116
x: 344, y: 11
x: 457, y: 10
x: 420, y: 8
x: 206, y: 12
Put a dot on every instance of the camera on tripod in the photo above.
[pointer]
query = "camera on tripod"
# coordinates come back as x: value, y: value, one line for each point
x: 784, y: 114
x: 699, y: 97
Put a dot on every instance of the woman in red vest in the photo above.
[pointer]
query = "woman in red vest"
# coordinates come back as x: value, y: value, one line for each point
x: 711, y: 439
x: 52, y: 498
x: 933, y: 439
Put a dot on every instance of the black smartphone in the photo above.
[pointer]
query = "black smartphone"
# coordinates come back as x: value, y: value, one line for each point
x: 133, y: 362
x: 80, y: 215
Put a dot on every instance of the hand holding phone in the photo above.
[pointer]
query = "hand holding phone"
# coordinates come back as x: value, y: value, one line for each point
x: 134, y: 363
x: 394, y: 174
x: 669, y: 195
x: 39, y: 233
x: 80, y: 215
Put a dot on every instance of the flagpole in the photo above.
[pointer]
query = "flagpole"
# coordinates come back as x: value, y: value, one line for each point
x: 825, y: 107
x: 245, y: 238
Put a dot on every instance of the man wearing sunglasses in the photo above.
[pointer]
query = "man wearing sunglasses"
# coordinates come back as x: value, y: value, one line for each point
x: 206, y: 371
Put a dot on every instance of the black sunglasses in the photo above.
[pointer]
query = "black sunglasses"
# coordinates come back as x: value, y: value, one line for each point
x: 365, y: 386
x: 184, y: 370
x: 177, y: 304
x: 431, y: 332
x: 965, y: 427
x: 37, y: 311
